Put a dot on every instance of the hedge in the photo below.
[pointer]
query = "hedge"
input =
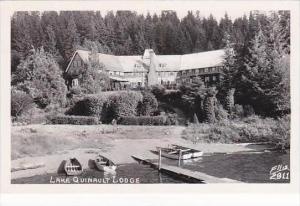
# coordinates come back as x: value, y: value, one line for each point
x: 142, y: 120
x: 107, y: 106
x: 78, y: 120
x: 125, y: 103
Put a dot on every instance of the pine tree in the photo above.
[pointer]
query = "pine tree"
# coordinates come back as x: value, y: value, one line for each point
x: 209, y: 105
x: 69, y: 38
x: 40, y: 76
x: 268, y: 71
x: 94, y: 78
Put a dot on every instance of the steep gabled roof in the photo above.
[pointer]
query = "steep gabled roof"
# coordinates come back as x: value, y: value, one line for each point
x: 202, y: 59
x: 169, y: 62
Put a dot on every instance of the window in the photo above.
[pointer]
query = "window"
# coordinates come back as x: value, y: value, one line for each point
x: 162, y: 65
x: 74, y: 82
x: 214, y: 78
x: 206, y: 70
x: 213, y: 69
x: 206, y: 79
x: 171, y: 73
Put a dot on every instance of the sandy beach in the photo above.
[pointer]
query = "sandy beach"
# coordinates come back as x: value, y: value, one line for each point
x: 55, y: 143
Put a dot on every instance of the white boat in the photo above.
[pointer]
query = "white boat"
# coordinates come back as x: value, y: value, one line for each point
x: 176, y: 152
x: 104, y: 164
x: 73, y: 167
x: 195, y: 153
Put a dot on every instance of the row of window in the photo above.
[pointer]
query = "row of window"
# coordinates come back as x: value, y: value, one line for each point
x: 205, y: 79
x: 198, y: 71
x: 77, y: 63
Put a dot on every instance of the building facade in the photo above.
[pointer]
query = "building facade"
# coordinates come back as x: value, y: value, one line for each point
x: 149, y: 69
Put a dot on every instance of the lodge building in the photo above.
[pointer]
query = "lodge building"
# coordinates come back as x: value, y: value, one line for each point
x: 133, y: 71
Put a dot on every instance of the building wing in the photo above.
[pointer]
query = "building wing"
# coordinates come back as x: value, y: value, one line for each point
x: 202, y: 60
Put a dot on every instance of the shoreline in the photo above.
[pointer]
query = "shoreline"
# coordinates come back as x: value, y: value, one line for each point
x: 118, y: 147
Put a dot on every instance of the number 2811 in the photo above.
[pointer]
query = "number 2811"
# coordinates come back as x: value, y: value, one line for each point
x: 280, y: 176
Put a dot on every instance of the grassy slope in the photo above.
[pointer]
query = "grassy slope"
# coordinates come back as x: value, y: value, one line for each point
x: 34, y: 140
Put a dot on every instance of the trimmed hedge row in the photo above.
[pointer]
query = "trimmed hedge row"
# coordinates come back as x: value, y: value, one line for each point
x: 142, y: 120
x: 78, y: 120
x: 108, y: 106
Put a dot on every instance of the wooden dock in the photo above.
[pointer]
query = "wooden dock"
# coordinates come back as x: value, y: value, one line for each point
x: 191, y: 176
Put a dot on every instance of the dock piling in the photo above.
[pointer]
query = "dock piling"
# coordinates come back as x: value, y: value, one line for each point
x: 159, y: 159
x: 180, y: 154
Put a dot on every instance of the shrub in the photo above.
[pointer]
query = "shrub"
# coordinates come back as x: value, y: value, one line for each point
x: 90, y: 105
x: 78, y: 120
x: 237, y: 111
x: 20, y: 102
x: 40, y: 76
x: 34, y: 115
x: 124, y: 103
x: 172, y: 119
x: 209, y: 106
x: 107, y: 105
x: 248, y: 110
x: 251, y: 129
x: 220, y: 113
x: 158, y: 91
x: 142, y: 120
x: 148, y: 105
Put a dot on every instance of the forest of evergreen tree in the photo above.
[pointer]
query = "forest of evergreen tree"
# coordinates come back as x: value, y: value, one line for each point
x: 125, y: 32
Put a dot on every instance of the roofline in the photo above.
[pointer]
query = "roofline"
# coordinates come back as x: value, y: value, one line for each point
x: 71, y: 60
x: 142, y: 55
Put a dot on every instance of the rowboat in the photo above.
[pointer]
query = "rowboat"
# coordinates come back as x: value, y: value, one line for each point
x: 73, y: 167
x: 195, y: 153
x: 179, y: 152
x: 104, y: 164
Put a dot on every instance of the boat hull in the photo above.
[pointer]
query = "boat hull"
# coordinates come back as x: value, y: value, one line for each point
x: 106, y: 168
x: 73, y: 167
x: 174, y: 152
x: 101, y: 164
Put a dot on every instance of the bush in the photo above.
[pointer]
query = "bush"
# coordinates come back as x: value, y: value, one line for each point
x: 40, y: 76
x: 148, y: 105
x: 158, y: 91
x: 20, y: 102
x: 172, y: 119
x: 220, y: 113
x: 142, y: 120
x: 90, y: 105
x: 248, y: 110
x: 124, y: 103
x: 107, y: 105
x: 237, y: 111
x: 251, y: 129
x: 34, y: 115
x: 77, y: 120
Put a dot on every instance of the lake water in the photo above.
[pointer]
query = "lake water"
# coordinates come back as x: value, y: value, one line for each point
x: 248, y: 168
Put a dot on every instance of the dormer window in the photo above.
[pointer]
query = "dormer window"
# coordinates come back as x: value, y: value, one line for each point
x: 162, y: 65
